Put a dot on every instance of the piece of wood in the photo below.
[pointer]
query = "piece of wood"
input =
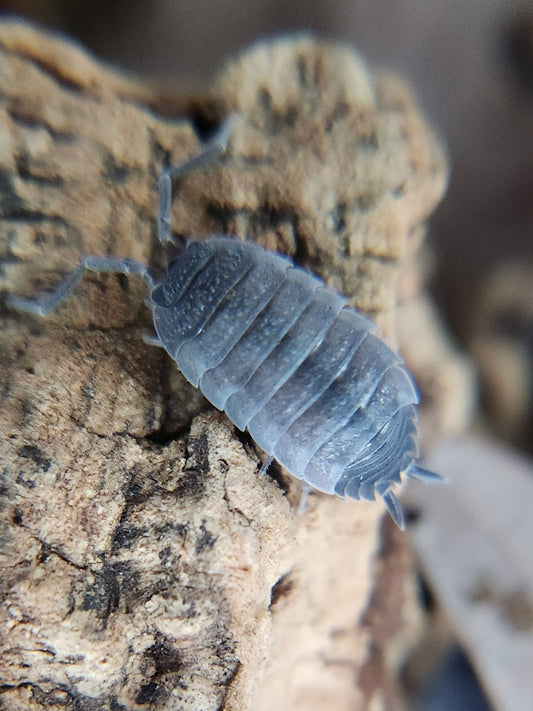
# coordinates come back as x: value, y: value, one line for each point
x: 474, y: 545
x: 145, y: 563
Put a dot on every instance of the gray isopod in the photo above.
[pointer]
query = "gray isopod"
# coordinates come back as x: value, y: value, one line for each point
x: 282, y: 354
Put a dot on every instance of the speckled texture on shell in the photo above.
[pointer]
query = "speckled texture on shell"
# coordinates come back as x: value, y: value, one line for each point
x: 287, y: 360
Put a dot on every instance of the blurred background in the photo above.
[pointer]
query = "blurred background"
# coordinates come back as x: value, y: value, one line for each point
x: 471, y: 67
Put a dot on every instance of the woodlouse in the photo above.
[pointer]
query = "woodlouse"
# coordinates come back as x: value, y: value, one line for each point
x: 282, y: 354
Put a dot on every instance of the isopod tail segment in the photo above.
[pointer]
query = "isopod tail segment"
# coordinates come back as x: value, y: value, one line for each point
x: 421, y: 474
x: 394, y: 508
x: 391, y: 501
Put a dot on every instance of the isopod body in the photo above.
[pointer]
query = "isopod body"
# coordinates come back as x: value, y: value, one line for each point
x: 287, y: 359
x: 281, y: 353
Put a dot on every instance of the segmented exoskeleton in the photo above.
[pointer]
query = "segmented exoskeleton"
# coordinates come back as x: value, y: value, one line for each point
x: 282, y: 354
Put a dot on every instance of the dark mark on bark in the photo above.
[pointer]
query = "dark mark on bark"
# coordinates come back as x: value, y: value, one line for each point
x: 30, y: 451
x: 282, y: 588
x: 206, y: 539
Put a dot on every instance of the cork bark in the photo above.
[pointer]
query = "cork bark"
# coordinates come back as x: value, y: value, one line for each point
x: 145, y: 563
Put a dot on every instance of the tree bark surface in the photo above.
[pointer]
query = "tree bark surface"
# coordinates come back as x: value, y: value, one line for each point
x: 144, y: 561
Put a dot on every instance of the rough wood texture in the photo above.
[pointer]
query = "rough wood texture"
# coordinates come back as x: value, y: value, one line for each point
x: 145, y: 563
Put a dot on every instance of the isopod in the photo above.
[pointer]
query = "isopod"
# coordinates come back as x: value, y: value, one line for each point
x: 282, y: 354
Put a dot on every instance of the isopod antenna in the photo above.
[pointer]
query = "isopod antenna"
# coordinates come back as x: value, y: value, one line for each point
x: 213, y: 149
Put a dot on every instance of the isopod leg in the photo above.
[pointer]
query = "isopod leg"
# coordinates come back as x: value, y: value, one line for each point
x: 211, y: 150
x: 265, y: 465
x: 302, y: 506
x: 152, y: 340
x: 45, y: 304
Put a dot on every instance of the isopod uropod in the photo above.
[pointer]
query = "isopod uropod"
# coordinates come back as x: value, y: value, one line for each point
x: 282, y: 354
